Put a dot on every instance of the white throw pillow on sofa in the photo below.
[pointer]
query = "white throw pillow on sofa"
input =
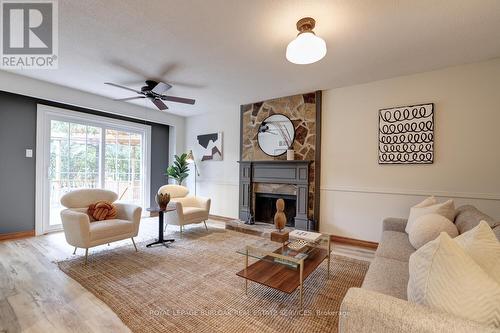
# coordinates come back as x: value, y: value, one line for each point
x: 444, y: 277
x: 446, y: 209
x: 481, y: 244
x: 427, y: 202
x: 428, y: 227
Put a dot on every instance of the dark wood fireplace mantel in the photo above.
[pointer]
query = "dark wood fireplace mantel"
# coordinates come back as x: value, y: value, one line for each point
x: 276, y: 172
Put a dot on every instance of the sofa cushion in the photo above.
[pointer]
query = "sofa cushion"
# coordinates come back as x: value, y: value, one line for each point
x: 387, y: 276
x: 394, y: 224
x: 469, y: 216
x: 481, y: 244
x: 496, y: 231
x: 109, y: 228
x: 427, y: 202
x: 444, y: 277
x: 395, y: 245
x: 446, y: 209
x: 428, y: 227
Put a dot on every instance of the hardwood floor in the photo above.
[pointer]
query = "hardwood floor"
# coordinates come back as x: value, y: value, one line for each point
x: 35, y: 296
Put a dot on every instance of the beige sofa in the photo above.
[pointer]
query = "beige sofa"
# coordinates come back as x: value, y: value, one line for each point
x: 381, y: 305
x: 189, y: 209
x: 80, y: 232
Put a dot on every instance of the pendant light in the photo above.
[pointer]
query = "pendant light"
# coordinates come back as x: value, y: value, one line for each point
x: 306, y: 48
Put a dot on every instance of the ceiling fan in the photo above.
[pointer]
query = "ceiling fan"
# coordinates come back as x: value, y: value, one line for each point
x: 155, y: 92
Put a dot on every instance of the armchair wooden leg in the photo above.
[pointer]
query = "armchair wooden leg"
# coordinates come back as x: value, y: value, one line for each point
x: 165, y: 228
x: 74, y: 252
x: 133, y: 242
x: 180, y: 229
x: 205, y: 224
x: 86, y: 255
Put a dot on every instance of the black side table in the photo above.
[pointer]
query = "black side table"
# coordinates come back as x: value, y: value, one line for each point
x: 160, y: 212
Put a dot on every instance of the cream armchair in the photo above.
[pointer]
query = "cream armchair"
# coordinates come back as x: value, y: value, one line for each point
x: 80, y: 232
x: 189, y: 209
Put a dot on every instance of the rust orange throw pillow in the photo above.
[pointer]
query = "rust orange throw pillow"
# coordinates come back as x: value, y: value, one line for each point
x: 102, y: 210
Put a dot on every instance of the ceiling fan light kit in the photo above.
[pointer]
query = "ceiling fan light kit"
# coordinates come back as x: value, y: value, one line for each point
x: 306, y: 48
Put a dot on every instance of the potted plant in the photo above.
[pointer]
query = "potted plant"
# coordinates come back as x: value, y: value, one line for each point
x: 179, y: 170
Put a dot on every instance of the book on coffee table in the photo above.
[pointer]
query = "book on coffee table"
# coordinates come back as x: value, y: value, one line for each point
x: 305, y: 235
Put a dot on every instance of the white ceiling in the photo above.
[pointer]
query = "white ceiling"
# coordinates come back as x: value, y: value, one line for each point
x: 231, y: 52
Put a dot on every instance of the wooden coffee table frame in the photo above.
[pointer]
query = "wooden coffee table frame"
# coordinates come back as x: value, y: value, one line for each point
x: 279, y: 276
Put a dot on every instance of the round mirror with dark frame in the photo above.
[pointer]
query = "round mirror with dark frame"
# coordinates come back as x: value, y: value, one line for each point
x: 276, y: 135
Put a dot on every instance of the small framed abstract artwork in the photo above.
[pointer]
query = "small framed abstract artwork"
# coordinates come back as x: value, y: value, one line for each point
x: 210, y: 146
x: 406, y: 135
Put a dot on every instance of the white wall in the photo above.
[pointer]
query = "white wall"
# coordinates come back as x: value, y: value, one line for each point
x: 218, y: 179
x: 45, y: 90
x: 357, y: 192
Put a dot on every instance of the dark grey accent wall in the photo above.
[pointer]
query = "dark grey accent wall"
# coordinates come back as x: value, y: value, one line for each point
x: 17, y: 172
x: 159, y: 158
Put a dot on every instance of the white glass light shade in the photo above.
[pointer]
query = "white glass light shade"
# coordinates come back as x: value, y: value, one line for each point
x: 306, y: 49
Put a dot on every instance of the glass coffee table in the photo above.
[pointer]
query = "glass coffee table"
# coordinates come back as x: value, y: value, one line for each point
x: 277, y: 266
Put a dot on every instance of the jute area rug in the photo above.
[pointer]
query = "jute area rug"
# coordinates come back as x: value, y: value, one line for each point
x: 192, y: 287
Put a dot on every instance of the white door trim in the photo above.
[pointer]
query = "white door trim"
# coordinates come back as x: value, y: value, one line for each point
x: 44, y: 115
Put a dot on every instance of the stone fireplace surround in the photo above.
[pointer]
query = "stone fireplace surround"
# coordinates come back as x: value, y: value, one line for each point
x: 305, y: 112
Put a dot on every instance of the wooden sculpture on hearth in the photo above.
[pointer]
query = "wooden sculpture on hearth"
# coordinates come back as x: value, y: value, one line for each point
x: 280, y: 217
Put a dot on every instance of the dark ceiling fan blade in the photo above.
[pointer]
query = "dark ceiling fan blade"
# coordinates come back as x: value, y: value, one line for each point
x: 136, y: 83
x: 161, y: 88
x: 187, y: 85
x: 167, y: 68
x: 159, y: 104
x: 128, y: 98
x: 123, y: 87
x: 178, y: 99
x: 129, y: 68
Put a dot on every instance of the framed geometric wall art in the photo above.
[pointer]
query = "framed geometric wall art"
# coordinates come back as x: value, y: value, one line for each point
x: 210, y: 146
x: 406, y: 135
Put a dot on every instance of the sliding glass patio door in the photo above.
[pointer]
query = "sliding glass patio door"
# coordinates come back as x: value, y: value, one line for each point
x: 86, y: 151
x: 74, y: 162
x: 123, y: 165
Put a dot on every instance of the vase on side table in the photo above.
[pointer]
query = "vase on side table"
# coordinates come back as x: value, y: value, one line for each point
x: 162, y: 200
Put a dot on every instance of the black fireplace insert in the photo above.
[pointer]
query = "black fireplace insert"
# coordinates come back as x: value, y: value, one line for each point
x: 265, y: 207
